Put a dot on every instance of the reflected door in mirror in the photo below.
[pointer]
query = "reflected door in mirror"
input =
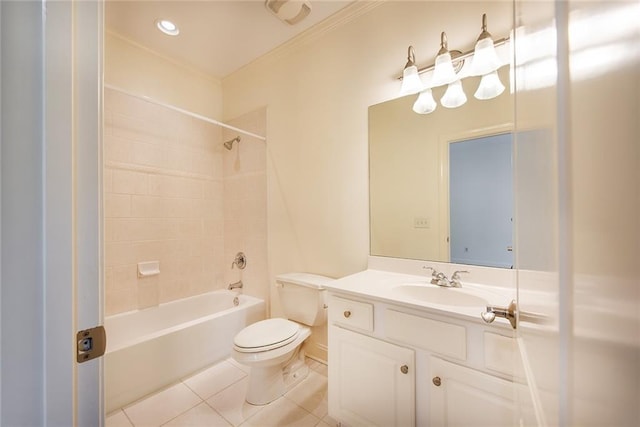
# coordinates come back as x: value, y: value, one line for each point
x: 481, y: 201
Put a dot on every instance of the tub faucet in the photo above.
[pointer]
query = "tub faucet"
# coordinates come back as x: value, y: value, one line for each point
x: 235, y: 285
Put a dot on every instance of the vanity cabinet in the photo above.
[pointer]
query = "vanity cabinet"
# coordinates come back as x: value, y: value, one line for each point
x: 461, y: 396
x: 392, y: 365
x: 372, y: 381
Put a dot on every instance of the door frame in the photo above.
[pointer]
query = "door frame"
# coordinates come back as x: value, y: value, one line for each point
x: 73, y: 53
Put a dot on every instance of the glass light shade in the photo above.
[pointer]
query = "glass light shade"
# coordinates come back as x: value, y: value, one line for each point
x: 485, y: 59
x: 443, y: 73
x: 425, y: 103
x: 490, y: 86
x: 454, y: 96
x: 411, y: 82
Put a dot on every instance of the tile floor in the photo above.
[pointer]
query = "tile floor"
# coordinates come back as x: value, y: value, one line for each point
x: 215, y: 397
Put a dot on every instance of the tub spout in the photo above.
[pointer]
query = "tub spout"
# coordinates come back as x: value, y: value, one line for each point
x: 235, y: 285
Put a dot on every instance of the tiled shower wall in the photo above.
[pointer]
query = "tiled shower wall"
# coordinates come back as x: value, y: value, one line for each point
x: 245, y: 198
x: 164, y: 201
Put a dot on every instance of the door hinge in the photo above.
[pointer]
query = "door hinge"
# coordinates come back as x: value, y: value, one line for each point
x: 91, y: 343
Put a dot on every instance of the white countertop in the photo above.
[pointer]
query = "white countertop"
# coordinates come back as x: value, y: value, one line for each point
x: 383, y: 285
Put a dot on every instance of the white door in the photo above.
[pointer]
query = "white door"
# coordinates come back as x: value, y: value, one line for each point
x: 577, y: 210
x: 73, y: 206
x: 51, y: 273
x: 481, y: 201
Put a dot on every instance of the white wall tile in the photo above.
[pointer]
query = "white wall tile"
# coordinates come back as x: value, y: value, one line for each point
x: 166, y: 199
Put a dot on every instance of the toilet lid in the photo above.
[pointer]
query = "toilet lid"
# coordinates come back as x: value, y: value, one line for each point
x: 266, y: 335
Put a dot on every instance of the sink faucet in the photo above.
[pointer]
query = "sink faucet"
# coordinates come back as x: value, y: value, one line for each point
x: 455, y: 278
x: 235, y: 285
x: 440, y: 279
x: 437, y: 278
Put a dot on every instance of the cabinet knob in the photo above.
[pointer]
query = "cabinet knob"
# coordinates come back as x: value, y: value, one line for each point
x: 347, y: 313
x: 437, y: 381
x: 404, y: 369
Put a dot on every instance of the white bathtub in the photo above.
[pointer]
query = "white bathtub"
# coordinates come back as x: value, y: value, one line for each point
x: 152, y: 348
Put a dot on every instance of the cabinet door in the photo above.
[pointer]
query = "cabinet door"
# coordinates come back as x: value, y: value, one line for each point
x: 371, y: 382
x: 466, y: 397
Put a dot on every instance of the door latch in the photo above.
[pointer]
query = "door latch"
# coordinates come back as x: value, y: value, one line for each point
x: 91, y: 343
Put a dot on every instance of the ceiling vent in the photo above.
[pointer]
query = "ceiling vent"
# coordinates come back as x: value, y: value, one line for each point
x: 289, y: 11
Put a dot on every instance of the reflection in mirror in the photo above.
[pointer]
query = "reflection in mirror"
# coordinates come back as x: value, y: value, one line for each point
x: 409, y: 169
x: 481, y: 201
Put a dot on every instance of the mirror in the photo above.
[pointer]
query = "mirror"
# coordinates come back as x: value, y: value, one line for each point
x: 409, y: 176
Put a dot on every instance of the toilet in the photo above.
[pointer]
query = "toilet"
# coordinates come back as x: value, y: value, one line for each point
x: 272, y: 347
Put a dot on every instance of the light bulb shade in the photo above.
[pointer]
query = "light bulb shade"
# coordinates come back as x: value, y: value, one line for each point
x: 411, y: 82
x: 425, y: 103
x: 443, y: 73
x: 454, y: 96
x: 485, y: 59
x: 490, y: 86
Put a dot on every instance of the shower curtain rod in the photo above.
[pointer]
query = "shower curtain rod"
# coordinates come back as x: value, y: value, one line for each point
x: 186, y: 112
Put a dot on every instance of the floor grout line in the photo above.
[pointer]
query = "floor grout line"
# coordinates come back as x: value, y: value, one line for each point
x: 314, y: 366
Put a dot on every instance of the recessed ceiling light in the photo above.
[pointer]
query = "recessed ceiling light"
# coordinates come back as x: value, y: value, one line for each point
x: 167, y: 27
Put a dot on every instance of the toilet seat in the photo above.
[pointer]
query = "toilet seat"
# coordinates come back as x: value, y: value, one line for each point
x: 266, y: 335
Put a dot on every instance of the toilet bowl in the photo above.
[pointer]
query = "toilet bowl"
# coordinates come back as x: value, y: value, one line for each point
x: 272, y: 348
x: 276, y: 360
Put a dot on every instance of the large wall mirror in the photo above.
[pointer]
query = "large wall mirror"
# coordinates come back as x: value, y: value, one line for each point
x: 441, y: 184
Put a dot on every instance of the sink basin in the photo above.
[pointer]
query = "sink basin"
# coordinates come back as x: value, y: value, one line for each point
x: 440, y: 295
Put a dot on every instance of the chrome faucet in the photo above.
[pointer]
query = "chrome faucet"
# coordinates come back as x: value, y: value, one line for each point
x: 240, y: 260
x: 455, y: 279
x: 434, y: 274
x: 235, y: 285
x: 437, y: 278
x: 440, y: 279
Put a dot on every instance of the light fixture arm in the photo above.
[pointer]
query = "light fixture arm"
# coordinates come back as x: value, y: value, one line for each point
x: 444, y: 44
x: 484, y: 34
x: 411, y: 57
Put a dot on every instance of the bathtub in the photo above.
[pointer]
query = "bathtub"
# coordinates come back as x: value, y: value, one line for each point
x: 152, y: 348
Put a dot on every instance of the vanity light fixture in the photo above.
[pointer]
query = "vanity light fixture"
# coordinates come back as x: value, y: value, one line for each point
x: 446, y: 71
x: 490, y: 86
x: 411, y: 82
x: 485, y: 59
x: 443, y: 73
x: 454, y: 96
x: 425, y: 103
x: 167, y: 27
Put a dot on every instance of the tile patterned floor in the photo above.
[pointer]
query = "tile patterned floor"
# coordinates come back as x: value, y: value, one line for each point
x: 215, y: 398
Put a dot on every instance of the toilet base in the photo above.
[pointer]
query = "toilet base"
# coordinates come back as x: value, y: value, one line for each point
x: 268, y: 383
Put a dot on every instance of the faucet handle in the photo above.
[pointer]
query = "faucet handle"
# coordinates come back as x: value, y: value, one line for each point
x: 455, y: 278
x: 456, y: 274
x: 434, y: 273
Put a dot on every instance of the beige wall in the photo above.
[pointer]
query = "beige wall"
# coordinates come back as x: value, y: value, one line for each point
x: 318, y: 92
x: 140, y: 71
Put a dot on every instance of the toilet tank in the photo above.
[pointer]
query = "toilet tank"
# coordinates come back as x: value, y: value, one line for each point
x: 303, y: 297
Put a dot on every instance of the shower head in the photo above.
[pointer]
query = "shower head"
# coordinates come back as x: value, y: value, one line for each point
x: 229, y: 143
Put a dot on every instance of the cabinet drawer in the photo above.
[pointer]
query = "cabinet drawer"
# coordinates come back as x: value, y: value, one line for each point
x: 354, y: 314
x: 499, y: 353
x: 433, y: 335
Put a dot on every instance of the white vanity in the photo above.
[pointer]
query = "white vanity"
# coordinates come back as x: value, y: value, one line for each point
x: 405, y: 352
